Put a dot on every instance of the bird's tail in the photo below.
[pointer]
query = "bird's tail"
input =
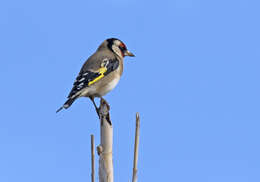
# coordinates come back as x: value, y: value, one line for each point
x: 67, y: 104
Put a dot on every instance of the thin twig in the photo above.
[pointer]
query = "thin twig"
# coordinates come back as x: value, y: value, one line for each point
x: 92, y: 159
x: 137, y: 133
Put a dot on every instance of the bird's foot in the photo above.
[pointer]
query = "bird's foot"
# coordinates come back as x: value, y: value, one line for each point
x: 103, y: 101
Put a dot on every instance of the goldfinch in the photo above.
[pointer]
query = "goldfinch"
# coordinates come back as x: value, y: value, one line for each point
x: 100, y: 73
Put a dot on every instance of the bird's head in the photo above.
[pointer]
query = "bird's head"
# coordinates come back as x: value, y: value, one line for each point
x: 118, y: 47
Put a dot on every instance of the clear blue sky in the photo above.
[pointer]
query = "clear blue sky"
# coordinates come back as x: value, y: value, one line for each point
x: 194, y: 80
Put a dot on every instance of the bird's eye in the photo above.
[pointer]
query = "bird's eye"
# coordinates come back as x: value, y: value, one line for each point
x: 122, y: 47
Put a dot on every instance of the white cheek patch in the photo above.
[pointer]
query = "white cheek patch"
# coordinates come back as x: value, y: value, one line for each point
x: 117, y: 50
x: 117, y: 42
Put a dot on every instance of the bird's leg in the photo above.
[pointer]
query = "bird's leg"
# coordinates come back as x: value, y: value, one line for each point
x: 93, y: 101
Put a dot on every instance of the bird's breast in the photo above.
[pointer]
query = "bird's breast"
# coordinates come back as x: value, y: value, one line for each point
x: 109, y: 86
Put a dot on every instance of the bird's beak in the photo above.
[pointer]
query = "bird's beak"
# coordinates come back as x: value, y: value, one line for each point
x: 128, y: 53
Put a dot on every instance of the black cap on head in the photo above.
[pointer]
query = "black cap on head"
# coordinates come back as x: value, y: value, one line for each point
x: 110, y: 42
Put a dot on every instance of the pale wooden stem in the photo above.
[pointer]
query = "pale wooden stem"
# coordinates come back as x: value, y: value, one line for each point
x: 106, y: 142
x: 137, y: 133
x: 92, y: 159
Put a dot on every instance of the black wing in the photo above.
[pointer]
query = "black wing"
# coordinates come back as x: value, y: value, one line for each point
x: 87, y: 78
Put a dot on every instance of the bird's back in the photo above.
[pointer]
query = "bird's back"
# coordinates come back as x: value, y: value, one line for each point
x: 93, y: 63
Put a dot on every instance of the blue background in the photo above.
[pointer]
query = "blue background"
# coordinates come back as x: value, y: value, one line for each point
x: 194, y: 80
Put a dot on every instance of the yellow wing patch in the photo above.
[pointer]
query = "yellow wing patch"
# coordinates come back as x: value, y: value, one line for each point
x: 101, y: 71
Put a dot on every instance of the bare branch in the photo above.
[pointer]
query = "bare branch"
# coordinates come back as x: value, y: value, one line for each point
x: 106, y: 141
x: 137, y: 133
x: 92, y: 159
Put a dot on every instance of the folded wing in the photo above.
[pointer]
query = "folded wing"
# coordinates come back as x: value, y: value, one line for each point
x: 87, y: 77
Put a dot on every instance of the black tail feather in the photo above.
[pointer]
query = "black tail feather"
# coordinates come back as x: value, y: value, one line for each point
x: 67, y: 104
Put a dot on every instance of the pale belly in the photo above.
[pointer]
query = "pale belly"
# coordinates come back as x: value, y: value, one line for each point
x: 100, y: 90
x: 109, y: 86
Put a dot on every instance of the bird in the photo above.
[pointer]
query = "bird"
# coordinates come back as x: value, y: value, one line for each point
x: 100, y: 73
